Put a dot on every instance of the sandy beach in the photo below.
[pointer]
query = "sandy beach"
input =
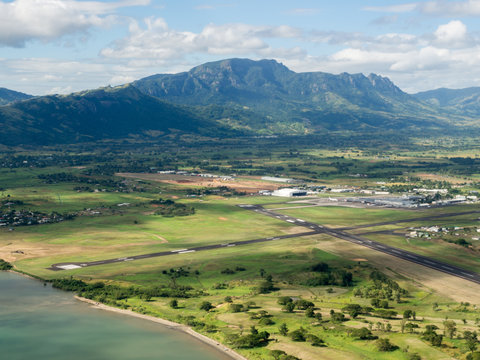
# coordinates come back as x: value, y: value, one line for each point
x: 169, y: 324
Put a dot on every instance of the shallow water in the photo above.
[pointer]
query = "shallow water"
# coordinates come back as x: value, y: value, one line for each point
x: 41, y: 323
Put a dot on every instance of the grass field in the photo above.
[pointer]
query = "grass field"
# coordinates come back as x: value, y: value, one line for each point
x: 111, y: 231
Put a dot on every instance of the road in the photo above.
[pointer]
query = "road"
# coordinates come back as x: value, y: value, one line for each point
x: 399, y: 253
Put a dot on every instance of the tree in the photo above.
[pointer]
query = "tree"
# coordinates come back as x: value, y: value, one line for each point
x: 385, y: 345
x: 450, y: 328
x: 173, y: 303
x: 353, y: 310
x: 298, y: 335
x: 363, y: 334
x: 309, y: 312
x: 471, y: 339
x: 284, y: 300
x: 289, y: 307
x: 206, y: 305
x: 411, y: 327
x: 283, y: 329
x: 407, y: 314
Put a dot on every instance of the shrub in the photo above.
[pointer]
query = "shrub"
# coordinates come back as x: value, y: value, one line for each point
x: 266, y: 321
x: 298, y: 335
x: 236, y: 308
x: 314, y: 340
x: 5, y: 265
x: 206, y: 305
x: 385, y: 345
x: 284, y: 300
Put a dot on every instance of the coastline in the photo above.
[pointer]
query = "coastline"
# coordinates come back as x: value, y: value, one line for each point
x: 170, y: 324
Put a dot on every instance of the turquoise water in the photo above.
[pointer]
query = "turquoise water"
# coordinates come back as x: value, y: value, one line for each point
x: 42, y: 323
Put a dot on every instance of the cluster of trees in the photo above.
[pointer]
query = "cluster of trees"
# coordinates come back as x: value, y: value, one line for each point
x: 229, y: 271
x: 381, y: 288
x: 328, y: 276
x: 108, y: 293
x: 71, y: 178
x: 254, y: 339
x: 4, y: 265
x: 169, y: 208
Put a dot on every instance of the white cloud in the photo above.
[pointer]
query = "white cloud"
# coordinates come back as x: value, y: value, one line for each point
x: 157, y: 41
x: 436, y: 8
x: 446, y: 57
x: 24, y: 20
x: 452, y: 33
x: 451, y: 8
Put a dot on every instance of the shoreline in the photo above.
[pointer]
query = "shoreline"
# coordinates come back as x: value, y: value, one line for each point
x: 170, y: 324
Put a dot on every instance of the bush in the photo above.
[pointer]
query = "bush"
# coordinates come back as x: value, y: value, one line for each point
x: 337, y: 317
x: 254, y: 339
x: 314, y: 340
x: 206, y: 305
x: 236, y: 308
x: 289, y: 307
x: 363, y: 334
x: 227, y: 271
x: 266, y: 321
x: 385, y: 345
x: 284, y: 300
x: 173, y: 303
x: 309, y: 312
x: 298, y: 335
x: 304, y: 304
x: 5, y: 265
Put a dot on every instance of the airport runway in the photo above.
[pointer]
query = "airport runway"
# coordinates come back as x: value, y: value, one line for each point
x: 399, y: 253
x: 78, y: 265
x: 313, y: 229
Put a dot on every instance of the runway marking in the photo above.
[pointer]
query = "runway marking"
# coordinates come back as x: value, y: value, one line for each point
x: 186, y: 251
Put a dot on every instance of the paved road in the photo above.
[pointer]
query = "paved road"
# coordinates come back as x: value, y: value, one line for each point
x: 78, y: 265
x: 402, y: 254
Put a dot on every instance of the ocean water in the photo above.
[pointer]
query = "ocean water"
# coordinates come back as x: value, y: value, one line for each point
x: 41, y: 323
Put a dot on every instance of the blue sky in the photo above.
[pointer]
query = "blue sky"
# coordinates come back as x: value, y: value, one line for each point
x: 60, y: 46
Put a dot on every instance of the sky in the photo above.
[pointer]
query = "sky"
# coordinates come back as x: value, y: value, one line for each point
x: 62, y: 46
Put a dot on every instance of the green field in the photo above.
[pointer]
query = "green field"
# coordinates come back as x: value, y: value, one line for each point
x: 102, y: 229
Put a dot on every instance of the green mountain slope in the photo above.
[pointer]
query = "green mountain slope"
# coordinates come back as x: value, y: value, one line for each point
x: 266, y: 96
x: 9, y: 96
x: 460, y: 101
x: 107, y: 113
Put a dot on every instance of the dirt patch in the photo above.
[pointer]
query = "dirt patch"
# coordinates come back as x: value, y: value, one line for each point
x: 249, y: 186
x: 162, y: 239
x: 359, y: 259
x: 222, y: 218
x: 450, y: 179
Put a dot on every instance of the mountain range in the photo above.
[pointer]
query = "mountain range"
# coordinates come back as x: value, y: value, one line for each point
x: 9, y: 96
x: 235, y: 97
